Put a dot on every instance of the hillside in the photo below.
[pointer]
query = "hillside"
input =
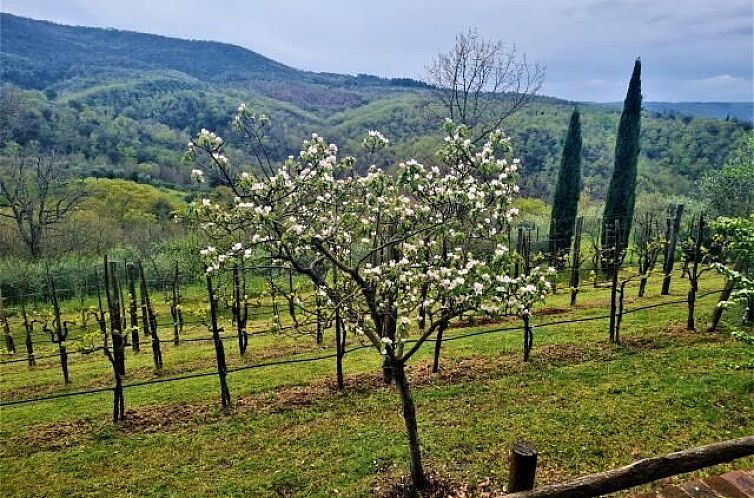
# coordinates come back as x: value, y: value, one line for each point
x: 742, y: 111
x: 123, y: 104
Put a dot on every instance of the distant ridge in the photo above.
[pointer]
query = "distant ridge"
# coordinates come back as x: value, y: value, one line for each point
x: 741, y: 111
x: 46, y: 52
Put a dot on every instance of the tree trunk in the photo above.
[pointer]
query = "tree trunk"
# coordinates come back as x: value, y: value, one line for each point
x: 409, y: 416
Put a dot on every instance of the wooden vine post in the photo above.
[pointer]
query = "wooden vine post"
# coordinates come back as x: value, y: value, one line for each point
x: 576, y: 263
x: 522, y: 467
x: 319, y: 336
x: 101, y: 314
x: 673, y: 226
x: 132, y: 306
x: 222, y: 369
x: 615, y: 268
x: 59, y: 334
x: 291, y: 298
x: 527, y: 252
x: 444, y: 323
x: 10, y: 344
x: 694, y: 274
x: 240, y: 309
x: 520, y: 250
x: 528, y: 336
x: 648, y: 251
x: 149, y: 320
x: 175, y: 308
x: 339, y: 340
x: 29, y: 328
x: 118, y: 354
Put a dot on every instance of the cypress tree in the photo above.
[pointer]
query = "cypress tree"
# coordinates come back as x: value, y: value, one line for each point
x: 567, y: 191
x: 621, y: 194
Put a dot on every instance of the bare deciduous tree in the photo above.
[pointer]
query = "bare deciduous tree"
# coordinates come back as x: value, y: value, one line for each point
x: 11, y: 112
x: 480, y: 83
x: 37, y: 194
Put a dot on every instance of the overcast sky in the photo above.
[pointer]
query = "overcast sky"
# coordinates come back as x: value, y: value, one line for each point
x: 691, y: 49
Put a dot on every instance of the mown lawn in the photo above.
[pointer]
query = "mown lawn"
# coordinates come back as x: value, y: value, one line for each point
x: 586, y: 404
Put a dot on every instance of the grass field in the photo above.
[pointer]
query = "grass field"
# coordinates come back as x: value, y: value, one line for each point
x: 586, y: 404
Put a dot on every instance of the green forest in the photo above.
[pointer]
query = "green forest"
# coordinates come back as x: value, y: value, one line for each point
x: 84, y: 93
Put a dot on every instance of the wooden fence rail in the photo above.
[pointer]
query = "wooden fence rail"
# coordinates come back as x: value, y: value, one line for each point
x: 645, y: 471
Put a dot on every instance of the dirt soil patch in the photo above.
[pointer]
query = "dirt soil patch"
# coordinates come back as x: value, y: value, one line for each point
x: 181, y: 416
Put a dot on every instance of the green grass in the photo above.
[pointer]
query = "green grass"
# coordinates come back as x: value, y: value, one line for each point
x: 587, y: 405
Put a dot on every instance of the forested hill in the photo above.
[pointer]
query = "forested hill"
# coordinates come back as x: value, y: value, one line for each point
x: 38, y: 54
x: 124, y: 104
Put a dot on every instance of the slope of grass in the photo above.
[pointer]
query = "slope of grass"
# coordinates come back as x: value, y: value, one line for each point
x: 586, y: 404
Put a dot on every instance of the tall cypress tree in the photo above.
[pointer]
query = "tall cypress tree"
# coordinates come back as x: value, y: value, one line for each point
x: 621, y: 194
x: 567, y: 191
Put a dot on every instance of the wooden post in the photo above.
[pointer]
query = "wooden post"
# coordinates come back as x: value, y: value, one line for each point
x: 576, y: 263
x: 29, y: 328
x: 291, y: 298
x: 240, y: 314
x: 674, y: 225
x: 175, y: 307
x: 694, y: 275
x: 132, y: 306
x: 222, y: 369
x: 519, y: 250
x: 149, y: 319
x: 117, y: 355
x: 528, y: 337
x: 59, y: 335
x: 523, y: 467
x: 10, y: 344
x: 527, y: 252
x: 647, y: 470
x: 614, y: 287
x: 319, y: 336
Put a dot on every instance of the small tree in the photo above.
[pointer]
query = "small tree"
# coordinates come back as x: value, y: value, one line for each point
x: 566, y: 201
x: 621, y: 194
x: 424, y: 240
x: 480, y: 83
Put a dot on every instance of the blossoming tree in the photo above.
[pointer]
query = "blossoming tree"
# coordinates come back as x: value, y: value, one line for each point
x: 387, y: 249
